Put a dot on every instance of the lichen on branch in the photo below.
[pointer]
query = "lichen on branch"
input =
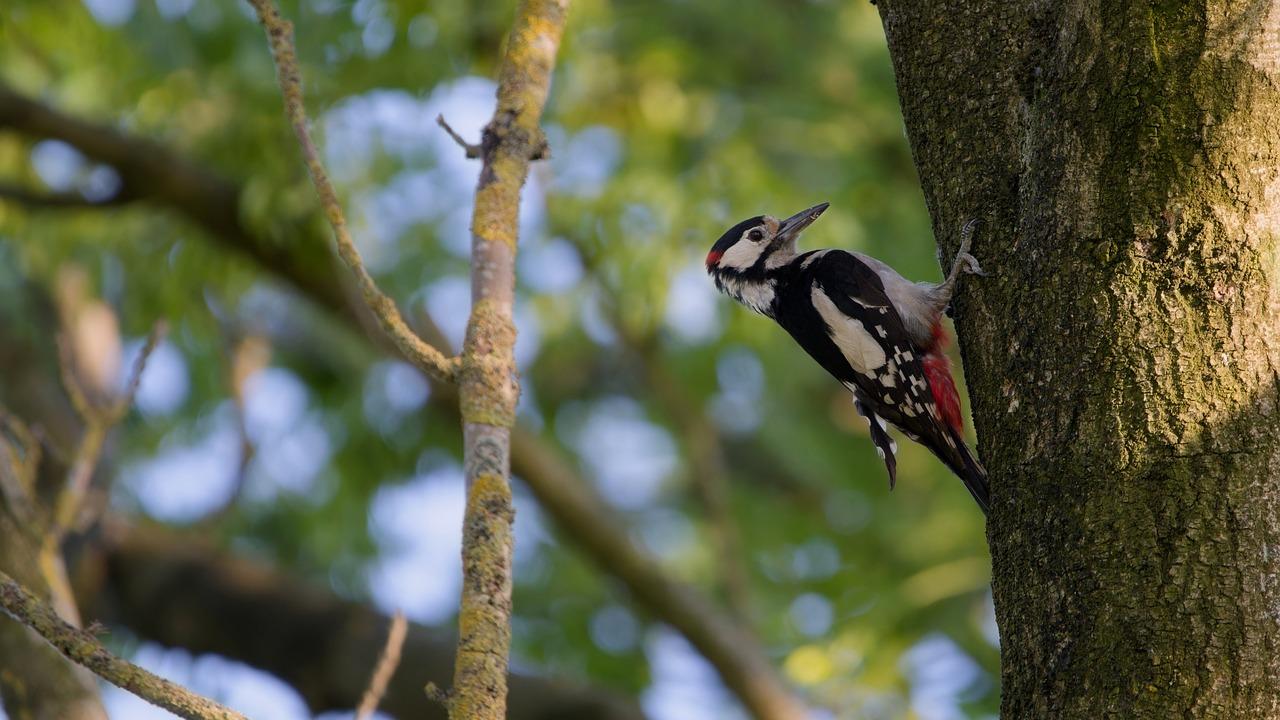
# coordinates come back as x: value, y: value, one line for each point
x: 82, y: 647
x: 488, y: 385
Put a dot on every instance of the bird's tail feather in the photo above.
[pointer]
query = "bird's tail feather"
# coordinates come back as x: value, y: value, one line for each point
x: 963, y: 463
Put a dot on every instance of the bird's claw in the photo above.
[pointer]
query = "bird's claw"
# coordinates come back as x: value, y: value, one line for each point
x: 970, y: 265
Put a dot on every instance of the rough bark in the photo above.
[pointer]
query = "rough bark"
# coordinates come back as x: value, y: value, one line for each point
x: 178, y: 592
x: 1123, y: 359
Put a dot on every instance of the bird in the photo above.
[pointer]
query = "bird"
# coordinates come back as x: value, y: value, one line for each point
x: 878, y: 333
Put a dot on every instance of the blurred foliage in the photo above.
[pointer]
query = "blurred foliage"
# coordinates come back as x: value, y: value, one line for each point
x: 669, y: 121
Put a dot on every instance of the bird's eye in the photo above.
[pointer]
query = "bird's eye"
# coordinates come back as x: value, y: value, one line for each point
x: 755, y: 235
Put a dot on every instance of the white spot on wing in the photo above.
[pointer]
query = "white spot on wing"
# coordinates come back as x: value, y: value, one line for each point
x: 857, y: 345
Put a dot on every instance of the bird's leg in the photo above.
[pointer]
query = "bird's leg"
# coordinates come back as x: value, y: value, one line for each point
x: 964, y: 262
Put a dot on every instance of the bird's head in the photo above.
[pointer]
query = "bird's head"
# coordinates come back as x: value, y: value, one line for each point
x: 759, y: 243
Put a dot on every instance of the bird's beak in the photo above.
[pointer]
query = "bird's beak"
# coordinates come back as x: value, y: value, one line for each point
x: 791, y: 228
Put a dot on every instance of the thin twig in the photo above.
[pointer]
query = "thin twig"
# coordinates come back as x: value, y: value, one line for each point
x: 247, y: 353
x: 82, y: 647
x: 386, y: 667
x: 99, y: 417
x: 125, y: 401
x: 98, y: 420
x: 425, y: 357
x: 473, y: 151
x: 75, y: 391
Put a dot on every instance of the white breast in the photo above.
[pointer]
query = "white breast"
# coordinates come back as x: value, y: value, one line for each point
x: 756, y: 295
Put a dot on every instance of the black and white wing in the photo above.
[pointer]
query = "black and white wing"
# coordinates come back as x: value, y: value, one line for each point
x: 882, y: 362
x: 867, y: 348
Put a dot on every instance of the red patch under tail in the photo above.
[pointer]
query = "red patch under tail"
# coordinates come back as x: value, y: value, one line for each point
x: 937, y: 369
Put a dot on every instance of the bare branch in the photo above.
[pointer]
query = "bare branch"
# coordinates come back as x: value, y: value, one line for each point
x: 387, y: 663
x: 125, y: 401
x: 99, y: 418
x: 98, y: 421
x: 473, y: 151
x: 427, y: 358
x: 80, y: 646
x: 75, y: 391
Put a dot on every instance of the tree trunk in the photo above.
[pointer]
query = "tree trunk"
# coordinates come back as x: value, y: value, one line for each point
x: 1123, y: 357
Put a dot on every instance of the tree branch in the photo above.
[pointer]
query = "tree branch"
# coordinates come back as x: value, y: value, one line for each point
x: 741, y: 663
x: 177, y: 590
x: 98, y: 416
x: 425, y: 357
x: 730, y: 648
x: 488, y: 389
x: 154, y: 173
x: 83, y: 648
x: 702, y: 443
x: 98, y: 420
x: 386, y: 667
x: 472, y: 151
x: 59, y: 200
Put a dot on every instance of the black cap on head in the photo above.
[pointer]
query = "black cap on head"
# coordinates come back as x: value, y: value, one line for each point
x: 731, y: 236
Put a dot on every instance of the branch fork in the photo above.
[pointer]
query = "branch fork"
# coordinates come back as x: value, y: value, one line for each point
x: 541, y: 150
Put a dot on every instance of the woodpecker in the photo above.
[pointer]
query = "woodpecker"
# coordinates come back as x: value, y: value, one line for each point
x: 878, y: 333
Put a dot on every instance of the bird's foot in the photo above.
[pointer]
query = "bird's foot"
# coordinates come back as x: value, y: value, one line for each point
x: 964, y: 262
x: 969, y: 264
